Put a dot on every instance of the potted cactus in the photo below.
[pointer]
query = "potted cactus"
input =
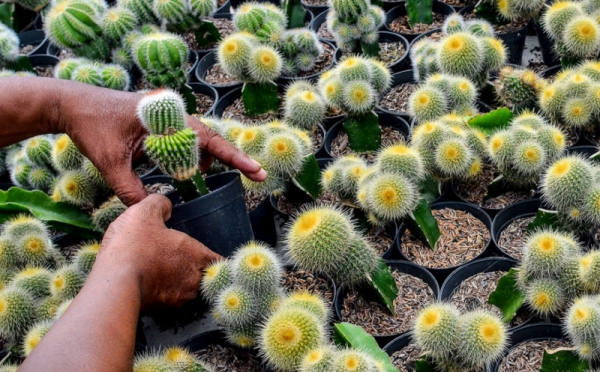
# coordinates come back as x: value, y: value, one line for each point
x: 111, y: 76
x: 518, y: 88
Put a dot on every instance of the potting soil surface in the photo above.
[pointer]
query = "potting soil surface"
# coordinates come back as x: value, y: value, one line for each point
x: 380, y: 239
x: 527, y: 356
x: 64, y: 54
x: 26, y: 49
x: 413, y: 294
x: 225, y: 27
x: 203, y: 103
x: 340, y: 145
x: 473, y: 293
x: 44, y: 71
x: 514, y: 25
x: 237, y: 111
x: 389, y: 52
x: 291, y: 208
x: 302, y: 280
x: 315, y: 2
x: 401, y: 25
x: 316, y: 134
x: 215, y: 75
x: 405, y: 359
x: 225, y: 359
x: 396, y: 99
x: 324, y: 32
x: 463, y: 238
x: 253, y: 199
x: 331, y: 112
x: 144, y: 167
x: 513, y: 237
x: 159, y: 188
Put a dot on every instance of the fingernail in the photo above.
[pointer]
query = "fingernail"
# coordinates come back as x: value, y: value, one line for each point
x: 262, y: 175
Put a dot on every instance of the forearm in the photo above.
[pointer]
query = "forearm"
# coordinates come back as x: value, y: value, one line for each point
x: 97, y: 333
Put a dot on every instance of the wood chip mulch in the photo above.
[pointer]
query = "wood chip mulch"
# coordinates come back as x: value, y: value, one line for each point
x: 333, y: 111
x: 474, y: 190
x: 225, y: 27
x: 216, y: 76
x: 44, y: 71
x: 473, y: 293
x: 396, y: 99
x: 513, y: 237
x: 463, y: 238
x: 302, y: 280
x: 226, y: 359
x: 144, y: 167
x: 376, y: 319
x: 315, y: 2
x: 380, y: 239
x: 527, y: 356
x: 341, y: 146
x: 324, y: 32
x: 515, y: 25
x: 159, y: 188
x: 204, y: 103
x: 253, y: 199
x: 456, y: 2
x: 64, y: 54
x: 406, y: 359
x: 391, y: 52
x: 316, y: 134
x: 291, y: 208
x: 26, y: 49
x: 238, y: 112
x: 401, y: 25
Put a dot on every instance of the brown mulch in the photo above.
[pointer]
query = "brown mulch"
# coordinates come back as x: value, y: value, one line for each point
x: 513, y: 237
x: 225, y: 27
x: 341, y: 146
x: 44, y: 71
x: 474, y: 190
x: 216, y: 76
x: 515, y: 25
x: 26, y: 49
x: 527, y: 356
x: 64, y: 54
x: 291, y: 208
x: 390, y: 52
x: 436, y: 36
x: 237, y: 111
x: 332, y: 111
x: 323, y: 62
x: 253, y: 199
x: 143, y: 84
x: 376, y: 319
x: 401, y: 25
x: 406, y: 359
x: 396, y: 99
x: 226, y: 359
x: 380, y: 239
x: 463, y: 238
x: 315, y: 2
x: 144, y: 167
x: 324, y: 32
x: 302, y: 280
x: 473, y: 293
x: 204, y: 103
x: 159, y: 188
x: 316, y: 134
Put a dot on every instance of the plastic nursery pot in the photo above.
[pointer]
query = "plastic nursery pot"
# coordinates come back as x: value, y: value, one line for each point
x: 207, y: 91
x: 456, y: 8
x: 399, y: 78
x: 505, y: 217
x: 217, y: 337
x: 586, y: 151
x: 219, y: 219
x: 442, y: 273
x: 315, y: 9
x: 546, y: 45
x: 385, y: 120
x: 193, y: 59
x: 37, y: 39
x: 225, y: 8
x: 262, y: 220
x: 314, y: 77
x: 316, y: 24
x: 173, y: 196
x: 204, y: 65
x: 389, y: 37
x: 403, y: 267
x: 484, y: 265
x: 531, y: 332
x: 551, y: 71
x: 514, y: 41
x: 400, y: 11
x: 154, y: 171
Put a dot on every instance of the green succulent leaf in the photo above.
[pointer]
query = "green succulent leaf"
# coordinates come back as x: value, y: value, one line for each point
x: 21, y: 64
x: 207, y: 33
x: 424, y: 365
x: 423, y: 224
x: 364, y: 132
x: 189, y: 98
x: 419, y: 11
x: 307, y: 179
x: 384, y: 286
x: 492, y: 121
x: 544, y: 218
x: 507, y: 296
x: 430, y: 189
x: 6, y: 14
x: 260, y: 98
x: 346, y: 334
x: 370, y: 50
x: 562, y: 360
x: 59, y: 215
x: 295, y: 12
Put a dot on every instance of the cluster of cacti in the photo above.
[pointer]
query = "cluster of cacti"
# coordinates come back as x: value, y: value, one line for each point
x: 245, y: 57
x: 111, y: 76
x: 514, y: 9
x: 573, y: 99
x: 518, y: 88
x: 36, y: 281
x: 171, y: 144
x: 469, y: 49
x: 524, y: 150
x: 582, y: 325
x: 458, y: 342
x: 172, y: 359
x: 53, y: 164
x: 355, y: 84
x: 441, y: 94
x: 181, y: 14
x: 570, y: 186
x: 9, y: 44
x: 354, y: 24
x: 300, y: 49
x: 450, y: 148
x: 280, y: 149
x: 325, y: 240
x: 575, y: 29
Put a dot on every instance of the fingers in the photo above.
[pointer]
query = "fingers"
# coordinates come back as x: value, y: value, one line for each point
x: 157, y: 206
x: 125, y: 183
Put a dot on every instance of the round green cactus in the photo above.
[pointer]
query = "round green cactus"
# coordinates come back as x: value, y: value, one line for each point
x: 64, y: 69
x: 19, y: 174
x: 66, y: 282
x: 256, y: 267
x: 436, y: 330
x: 317, y: 360
x: 236, y: 306
x: 17, y: 312
x: 249, y: 17
x: 310, y: 302
x: 40, y: 178
x: 244, y: 336
x: 581, y: 37
x: 251, y: 139
x: 461, y: 92
x: 76, y: 188
x: 551, y: 100
x: 529, y: 158
x: 453, y: 157
x: 38, y: 150
x: 270, y: 301
x: 483, y: 338
x: 24, y: 225
x: 162, y: 57
x: 150, y: 362
x: 122, y: 56
x: 65, y: 155
x: 352, y: 360
x: 9, y: 256
x: 460, y: 54
x: 402, y: 159
x: 217, y: 277
x: 288, y: 335
x: 35, y: 280
x: 567, y: 181
x: 454, y: 23
x: 203, y: 8
x: 88, y: 74
x: 171, y: 11
x: 72, y: 23
x: 589, y: 271
x: 176, y: 154
x: 233, y: 53
x: 305, y: 109
x: 141, y: 8
x: 264, y: 64
x: 544, y: 296
x: 107, y: 213
x: 34, y: 249
x: 583, y: 319
x: 359, y: 261
x: 116, y: 22
x: 86, y: 256
x: 115, y: 77
x: 391, y: 196
x: 162, y: 111
x: 283, y: 153
x: 545, y: 252
x: 427, y: 103
x: 34, y: 336
x: 558, y: 16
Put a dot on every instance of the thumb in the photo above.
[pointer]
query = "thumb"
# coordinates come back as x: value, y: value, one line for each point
x: 125, y: 183
x: 155, y: 206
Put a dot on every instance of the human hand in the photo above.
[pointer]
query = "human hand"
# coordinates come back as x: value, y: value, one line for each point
x: 104, y: 126
x: 166, y: 264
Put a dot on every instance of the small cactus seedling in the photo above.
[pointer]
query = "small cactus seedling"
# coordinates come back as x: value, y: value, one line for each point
x: 183, y: 360
x: 304, y: 105
x: 216, y: 278
x: 86, y: 256
x: 354, y: 25
x: 34, y: 336
x: 300, y: 48
x: 35, y: 280
x: 66, y: 282
x: 17, y: 312
x: 107, y: 213
x: 9, y: 44
x: 256, y: 268
x: 518, y: 88
x: 142, y: 9
x: 354, y: 86
x: 171, y: 144
x: 318, y: 360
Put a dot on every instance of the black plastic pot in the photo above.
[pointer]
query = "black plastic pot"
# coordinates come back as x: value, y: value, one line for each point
x: 314, y: 77
x: 403, y: 267
x: 484, y: 265
x: 400, y: 11
x: 390, y: 37
x: 193, y: 59
x: 546, y: 45
x: 36, y: 38
x: 227, y: 15
x: 399, y: 78
x: 385, y: 120
x: 551, y: 71
x: 532, y: 332
x: 204, y: 65
x: 208, y: 91
x: 219, y: 220
x: 201, y: 342
x: 586, y: 151
x: 317, y: 22
x: 526, y: 208
x: 173, y: 196
x: 442, y: 273
x: 456, y: 8
x: 225, y: 8
x: 514, y: 41
x: 40, y: 60
x: 263, y: 222
x: 315, y: 9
